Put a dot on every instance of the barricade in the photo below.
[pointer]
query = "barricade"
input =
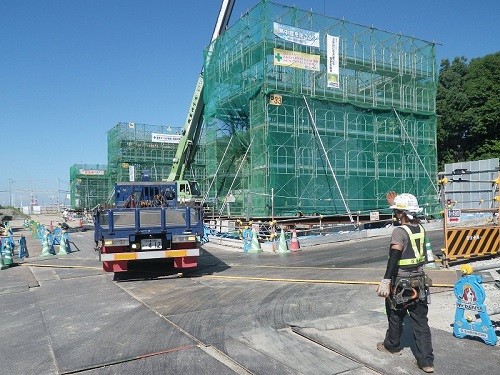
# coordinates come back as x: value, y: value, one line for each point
x: 64, y: 247
x: 23, y: 249
x: 47, y: 248
x: 56, y: 235
x: 471, y: 315
x: 255, y: 244
x: 2, y: 265
x: 479, y: 236
x: 247, y: 239
x: 40, y: 231
x: 7, y: 251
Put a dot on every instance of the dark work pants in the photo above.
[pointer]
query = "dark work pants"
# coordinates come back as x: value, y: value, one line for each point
x: 420, y: 326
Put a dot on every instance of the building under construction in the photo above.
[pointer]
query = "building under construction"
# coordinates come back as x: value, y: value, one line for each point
x: 134, y: 149
x: 308, y: 114
x: 89, y: 185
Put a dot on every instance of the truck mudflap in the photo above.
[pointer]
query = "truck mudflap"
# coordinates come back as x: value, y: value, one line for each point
x: 186, y: 262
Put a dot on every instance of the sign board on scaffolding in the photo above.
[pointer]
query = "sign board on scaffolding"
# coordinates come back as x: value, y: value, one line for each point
x: 131, y: 173
x: 453, y: 216
x: 374, y: 216
x: 275, y: 99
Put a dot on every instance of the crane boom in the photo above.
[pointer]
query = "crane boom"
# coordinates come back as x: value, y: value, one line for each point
x: 192, y: 126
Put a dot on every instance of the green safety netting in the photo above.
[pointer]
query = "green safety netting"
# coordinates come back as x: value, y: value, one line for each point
x: 279, y: 141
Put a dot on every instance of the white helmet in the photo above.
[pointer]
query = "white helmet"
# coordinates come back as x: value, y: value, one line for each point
x: 406, y: 202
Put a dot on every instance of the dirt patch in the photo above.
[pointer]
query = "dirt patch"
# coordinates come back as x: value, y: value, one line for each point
x: 10, y: 214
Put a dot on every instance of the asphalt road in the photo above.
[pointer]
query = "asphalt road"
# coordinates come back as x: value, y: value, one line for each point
x: 314, y: 311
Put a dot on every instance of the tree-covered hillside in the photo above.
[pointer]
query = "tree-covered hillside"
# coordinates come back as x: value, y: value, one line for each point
x: 468, y: 107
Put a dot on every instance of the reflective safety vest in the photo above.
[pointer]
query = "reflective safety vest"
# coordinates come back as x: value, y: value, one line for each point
x: 417, y: 256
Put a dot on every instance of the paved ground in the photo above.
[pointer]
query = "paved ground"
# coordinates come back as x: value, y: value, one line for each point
x: 62, y: 315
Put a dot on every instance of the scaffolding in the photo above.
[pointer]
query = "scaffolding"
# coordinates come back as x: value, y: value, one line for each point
x: 287, y: 140
x: 89, y: 185
x: 134, y: 149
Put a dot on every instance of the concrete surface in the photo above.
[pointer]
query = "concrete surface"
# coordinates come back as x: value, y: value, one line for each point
x: 62, y: 315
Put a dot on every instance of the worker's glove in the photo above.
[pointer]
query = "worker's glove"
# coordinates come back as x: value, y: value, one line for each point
x: 384, y: 288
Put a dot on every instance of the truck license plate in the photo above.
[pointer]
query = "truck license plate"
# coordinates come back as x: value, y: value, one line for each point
x: 151, y: 244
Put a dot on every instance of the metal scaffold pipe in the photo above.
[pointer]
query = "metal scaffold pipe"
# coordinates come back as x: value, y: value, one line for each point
x: 205, y: 197
x: 236, y: 175
x: 416, y: 152
x: 328, y: 160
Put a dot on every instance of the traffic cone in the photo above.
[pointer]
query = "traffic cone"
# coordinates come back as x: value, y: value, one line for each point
x: 7, y: 253
x: 64, y: 244
x: 255, y: 247
x: 23, y: 250
x: 46, y: 246
x: 294, y: 243
x: 431, y: 261
x: 283, y: 248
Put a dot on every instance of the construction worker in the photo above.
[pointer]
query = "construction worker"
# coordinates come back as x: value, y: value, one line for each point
x: 405, y: 285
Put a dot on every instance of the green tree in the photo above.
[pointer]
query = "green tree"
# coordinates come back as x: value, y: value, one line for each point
x: 468, y: 108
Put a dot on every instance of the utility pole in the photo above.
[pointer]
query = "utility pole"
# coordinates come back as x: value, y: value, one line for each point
x: 10, y: 190
x: 58, y: 193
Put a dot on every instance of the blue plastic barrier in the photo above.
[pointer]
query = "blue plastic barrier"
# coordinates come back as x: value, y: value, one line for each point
x: 470, y: 298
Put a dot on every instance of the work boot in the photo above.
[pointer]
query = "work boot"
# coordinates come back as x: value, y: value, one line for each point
x: 427, y: 369
x: 381, y: 347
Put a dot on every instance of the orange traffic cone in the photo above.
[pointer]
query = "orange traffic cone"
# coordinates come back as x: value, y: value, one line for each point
x: 294, y: 243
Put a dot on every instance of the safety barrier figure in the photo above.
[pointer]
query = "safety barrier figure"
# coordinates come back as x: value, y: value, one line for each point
x: 41, y: 231
x: 206, y: 232
x: 23, y: 249
x: 7, y: 252
x: 55, y: 236
x: 2, y: 265
x: 11, y: 239
x: 255, y: 244
x: 283, y: 247
x: 470, y: 296
x: 247, y: 240
x: 64, y: 247
x: 47, y: 249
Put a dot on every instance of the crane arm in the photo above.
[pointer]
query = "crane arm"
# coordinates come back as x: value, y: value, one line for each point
x: 192, y: 126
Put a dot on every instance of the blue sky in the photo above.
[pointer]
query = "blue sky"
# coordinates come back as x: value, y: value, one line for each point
x: 70, y: 70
